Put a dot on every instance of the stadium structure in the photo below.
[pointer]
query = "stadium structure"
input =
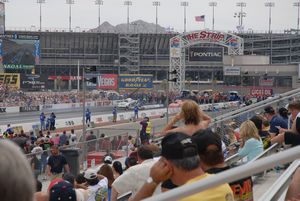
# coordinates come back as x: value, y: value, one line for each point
x: 269, y: 60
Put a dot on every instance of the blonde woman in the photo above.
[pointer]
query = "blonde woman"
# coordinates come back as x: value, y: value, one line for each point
x: 193, y: 117
x: 251, y: 145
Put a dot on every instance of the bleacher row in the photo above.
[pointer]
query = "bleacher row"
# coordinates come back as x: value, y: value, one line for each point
x: 260, y: 167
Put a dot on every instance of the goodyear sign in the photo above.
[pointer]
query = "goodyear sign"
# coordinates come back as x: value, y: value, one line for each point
x: 136, y: 81
x: 10, y: 80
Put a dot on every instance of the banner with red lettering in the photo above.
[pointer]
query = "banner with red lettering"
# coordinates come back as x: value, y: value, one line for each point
x: 261, y: 92
x: 107, y: 81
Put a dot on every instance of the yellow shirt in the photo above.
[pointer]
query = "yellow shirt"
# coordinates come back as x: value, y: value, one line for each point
x: 219, y: 193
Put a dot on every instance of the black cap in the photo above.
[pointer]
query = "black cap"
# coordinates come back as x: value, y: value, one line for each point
x: 178, y: 146
x: 269, y: 110
x: 204, y: 138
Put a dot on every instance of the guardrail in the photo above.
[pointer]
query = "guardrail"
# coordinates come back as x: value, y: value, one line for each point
x: 230, y: 175
x: 281, y: 184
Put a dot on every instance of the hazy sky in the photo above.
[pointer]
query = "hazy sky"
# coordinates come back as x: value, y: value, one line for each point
x: 25, y: 13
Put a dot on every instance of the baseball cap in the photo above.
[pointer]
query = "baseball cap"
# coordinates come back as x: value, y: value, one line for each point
x: 108, y: 160
x: 90, y: 174
x: 204, y: 138
x: 269, y: 110
x: 178, y: 146
x: 63, y: 190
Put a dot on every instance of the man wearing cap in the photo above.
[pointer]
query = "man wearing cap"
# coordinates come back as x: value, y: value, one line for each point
x: 180, y: 162
x: 108, y: 160
x: 98, y: 185
x: 133, y: 178
x: 56, y: 164
x: 276, y: 122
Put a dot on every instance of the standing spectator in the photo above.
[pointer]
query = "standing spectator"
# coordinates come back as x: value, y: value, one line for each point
x: 149, y: 128
x: 117, y: 169
x: 106, y: 171
x: 92, y: 144
x: 52, y: 121
x: 56, y: 164
x: 114, y: 112
x: 276, y: 122
x: 36, y: 164
x: 87, y: 116
x: 143, y: 135
x: 63, y: 139
x: 136, y: 112
x: 9, y: 130
x: 193, y: 117
x: 42, y: 120
x: 97, y: 187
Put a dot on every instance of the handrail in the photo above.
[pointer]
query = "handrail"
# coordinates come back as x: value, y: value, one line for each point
x: 232, y: 159
x: 271, y: 148
x: 281, y: 184
x: 230, y: 175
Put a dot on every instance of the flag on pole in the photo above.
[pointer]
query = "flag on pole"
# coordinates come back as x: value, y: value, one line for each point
x: 200, y: 18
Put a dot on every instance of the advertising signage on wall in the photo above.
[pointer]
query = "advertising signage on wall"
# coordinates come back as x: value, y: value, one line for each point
x: 210, y: 54
x: 107, y: 81
x: 33, y: 82
x: 128, y: 81
x: 10, y: 80
x: 261, y: 91
x: 231, y: 71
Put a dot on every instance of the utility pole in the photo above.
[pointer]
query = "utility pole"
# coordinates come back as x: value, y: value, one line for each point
x: 128, y: 4
x: 297, y: 4
x: 156, y: 4
x: 41, y: 2
x: 99, y: 3
x: 184, y: 4
x: 70, y: 3
x: 213, y: 4
x: 270, y: 5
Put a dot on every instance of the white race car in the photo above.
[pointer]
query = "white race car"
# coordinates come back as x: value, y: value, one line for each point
x: 127, y: 103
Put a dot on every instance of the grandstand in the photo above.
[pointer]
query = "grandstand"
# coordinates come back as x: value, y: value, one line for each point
x: 124, y: 53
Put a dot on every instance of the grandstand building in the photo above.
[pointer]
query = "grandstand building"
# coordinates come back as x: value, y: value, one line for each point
x: 271, y: 57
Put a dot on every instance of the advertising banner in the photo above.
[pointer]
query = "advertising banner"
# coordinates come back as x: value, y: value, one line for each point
x: 261, y: 92
x: 30, y: 109
x: 266, y: 82
x: 10, y: 79
x: 33, y: 82
x: 107, y: 81
x: 65, y: 78
x: 231, y: 71
x: 210, y: 54
x: 128, y: 81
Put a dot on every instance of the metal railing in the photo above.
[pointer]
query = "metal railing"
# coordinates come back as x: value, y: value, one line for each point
x: 281, y: 184
x: 230, y: 175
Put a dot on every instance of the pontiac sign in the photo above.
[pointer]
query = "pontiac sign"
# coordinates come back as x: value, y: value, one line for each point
x: 210, y: 54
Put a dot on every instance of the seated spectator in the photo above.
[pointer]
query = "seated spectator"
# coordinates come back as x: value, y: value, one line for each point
x: 106, y: 171
x: 98, y: 188
x: 291, y: 136
x: 133, y: 178
x: 212, y: 161
x: 265, y: 136
x: 276, y: 121
x: 16, y: 180
x: 117, y: 169
x: 251, y: 145
x: 180, y: 162
x: 192, y: 116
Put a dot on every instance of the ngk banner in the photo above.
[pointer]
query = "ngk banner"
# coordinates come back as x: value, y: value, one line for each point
x: 211, y: 54
x: 107, y: 81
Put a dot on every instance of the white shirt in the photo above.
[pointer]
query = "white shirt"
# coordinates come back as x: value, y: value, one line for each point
x: 98, y: 191
x: 134, y: 178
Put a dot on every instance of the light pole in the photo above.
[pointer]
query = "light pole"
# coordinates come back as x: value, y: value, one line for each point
x: 213, y: 4
x: 99, y: 3
x: 184, y: 4
x: 241, y: 14
x: 128, y: 4
x: 297, y: 4
x: 270, y: 5
x: 70, y: 2
x: 156, y: 4
x: 41, y: 2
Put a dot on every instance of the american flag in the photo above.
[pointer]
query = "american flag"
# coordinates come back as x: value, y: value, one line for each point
x: 200, y: 18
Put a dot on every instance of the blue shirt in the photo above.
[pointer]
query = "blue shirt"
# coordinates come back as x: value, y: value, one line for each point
x: 114, y: 111
x: 136, y: 109
x: 251, y: 149
x: 88, y: 114
x: 42, y: 117
x: 277, y: 121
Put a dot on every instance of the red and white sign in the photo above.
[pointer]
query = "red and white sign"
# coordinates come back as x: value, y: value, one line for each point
x: 64, y: 78
x: 261, y: 92
x: 107, y: 81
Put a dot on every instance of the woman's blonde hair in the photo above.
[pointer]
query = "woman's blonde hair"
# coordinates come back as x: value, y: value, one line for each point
x: 248, y: 130
x: 190, y: 112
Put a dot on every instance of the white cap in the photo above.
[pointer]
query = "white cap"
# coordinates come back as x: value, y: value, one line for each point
x: 108, y: 160
x: 90, y: 174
